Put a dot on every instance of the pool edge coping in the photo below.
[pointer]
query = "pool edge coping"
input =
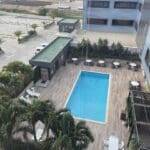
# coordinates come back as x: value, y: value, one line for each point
x: 108, y: 97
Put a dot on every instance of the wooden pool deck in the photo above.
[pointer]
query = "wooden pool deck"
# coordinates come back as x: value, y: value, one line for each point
x: 62, y: 82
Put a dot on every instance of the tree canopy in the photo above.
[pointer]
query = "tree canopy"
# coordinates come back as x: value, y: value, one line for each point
x: 66, y: 133
x: 14, y: 77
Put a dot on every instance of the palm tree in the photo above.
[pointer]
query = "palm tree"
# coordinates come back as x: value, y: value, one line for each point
x: 18, y: 34
x: 38, y: 110
x: 62, y: 142
x: 82, y: 136
x: 67, y: 134
x: 34, y: 26
x: 10, y: 110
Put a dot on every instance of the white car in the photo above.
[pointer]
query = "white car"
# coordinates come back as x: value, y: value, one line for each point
x: 44, y: 44
x: 38, y: 49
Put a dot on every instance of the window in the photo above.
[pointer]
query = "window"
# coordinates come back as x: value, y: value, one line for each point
x: 97, y: 21
x: 122, y: 22
x: 126, y: 5
x: 98, y: 4
x: 135, y: 26
x: 147, y: 57
x: 140, y: 6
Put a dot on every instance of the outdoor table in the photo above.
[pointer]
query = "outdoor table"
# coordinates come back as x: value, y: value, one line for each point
x: 74, y: 59
x: 132, y: 65
x: 135, y: 83
x: 101, y: 61
x: 88, y: 61
x: 116, y: 64
x: 113, y: 143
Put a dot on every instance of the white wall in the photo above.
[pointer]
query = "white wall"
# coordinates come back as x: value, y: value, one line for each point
x: 111, y: 13
x: 146, y: 46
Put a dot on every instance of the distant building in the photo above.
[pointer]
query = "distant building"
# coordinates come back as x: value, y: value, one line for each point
x: 112, y: 15
x: 68, y: 25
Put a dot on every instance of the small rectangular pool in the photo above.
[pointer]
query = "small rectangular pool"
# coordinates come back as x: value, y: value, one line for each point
x: 89, y: 97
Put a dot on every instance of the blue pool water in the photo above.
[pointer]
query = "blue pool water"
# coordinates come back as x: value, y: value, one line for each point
x: 88, y: 99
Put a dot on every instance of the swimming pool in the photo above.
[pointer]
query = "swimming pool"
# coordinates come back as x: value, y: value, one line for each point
x: 89, y: 97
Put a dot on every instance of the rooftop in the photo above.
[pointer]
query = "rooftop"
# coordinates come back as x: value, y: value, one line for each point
x: 52, y: 50
x: 141, y: 116
x: 69, y: 21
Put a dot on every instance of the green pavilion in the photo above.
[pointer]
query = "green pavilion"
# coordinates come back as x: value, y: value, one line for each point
x: 47, y: 61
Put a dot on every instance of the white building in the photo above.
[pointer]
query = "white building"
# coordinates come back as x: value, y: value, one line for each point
x: 112, y: 15
x: 143, y: 39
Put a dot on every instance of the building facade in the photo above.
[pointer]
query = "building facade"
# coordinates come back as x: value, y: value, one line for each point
x: 143, y: 39
x: 112, y: 15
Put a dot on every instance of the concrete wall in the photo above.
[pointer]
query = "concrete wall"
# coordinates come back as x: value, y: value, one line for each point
x: 143, y: 37
x: 111, y: 13
x: 144, y: 64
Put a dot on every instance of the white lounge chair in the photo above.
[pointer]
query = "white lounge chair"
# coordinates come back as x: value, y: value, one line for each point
x: 33, y: 93
x: 106, y: 142
x: 121, y: 146
x: 26, y: 99
x: 113, y: 143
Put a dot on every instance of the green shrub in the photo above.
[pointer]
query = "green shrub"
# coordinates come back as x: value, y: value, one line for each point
x: 26, y: 37
x: 14, y: 77
x: 129, y: 114
x: 102, y: 50
x: 133, y: 144
x: 56, y: 13
x: 42, y: 11
x: 31, y: 32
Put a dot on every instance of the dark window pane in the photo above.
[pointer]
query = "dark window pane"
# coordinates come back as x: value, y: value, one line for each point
x: 147, y: 57
x: 98, y: 4
x: 140, y: 6
x: 96, y: 21
x: 136, y: 26
x: 123, y: 22
x: 126, y: 5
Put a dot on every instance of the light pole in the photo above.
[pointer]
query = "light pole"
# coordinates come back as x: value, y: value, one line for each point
x: 86, y: 56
